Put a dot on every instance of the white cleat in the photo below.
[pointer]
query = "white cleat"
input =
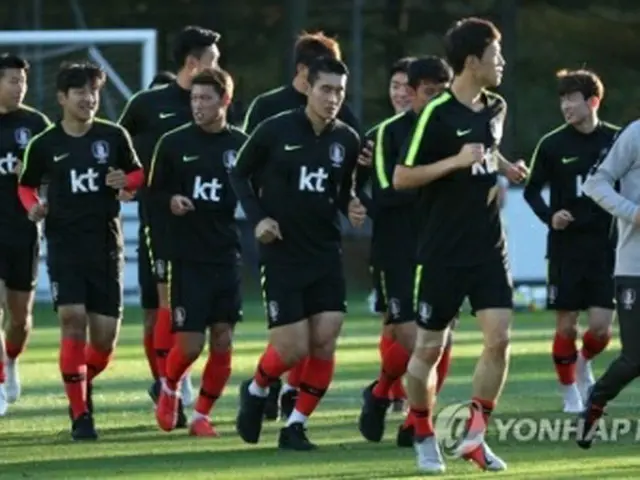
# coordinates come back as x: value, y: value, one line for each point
x: 428, y: 456
x: 477, y: 451
x: 584, y: 376
x: 186, y: 390
x: 4, y: 404
x: 572, y: 399
x: 12, y: 382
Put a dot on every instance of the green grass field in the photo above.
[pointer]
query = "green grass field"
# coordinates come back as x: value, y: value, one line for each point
x: 34, y: 438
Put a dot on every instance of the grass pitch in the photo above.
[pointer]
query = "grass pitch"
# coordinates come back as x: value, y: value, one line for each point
x: 34, y: 436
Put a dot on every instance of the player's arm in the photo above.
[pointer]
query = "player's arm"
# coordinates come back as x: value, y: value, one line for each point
x: 622, y: 157
x: 363, y: 177
x: 539, y: 177
x: 254, y: 116
x: 34, y: 168
x: 159, y: 179
x: 129, y: 174
x: 346, y: 191
x: 130, y: 116
x: 251, y: 159
x: 416, y: 165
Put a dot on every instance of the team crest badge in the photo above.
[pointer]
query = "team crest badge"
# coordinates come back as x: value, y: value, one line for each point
x: 274, y: 310
x: 336, y: 154
x: 628, y: 298
x: 229, y: 159
x: 100, y: 151
x: 179, y: 316
x: 497, y: 126
x: 424, y: 312
x: 552, y: 294
x: 22, y: 136
x: 394, y: 307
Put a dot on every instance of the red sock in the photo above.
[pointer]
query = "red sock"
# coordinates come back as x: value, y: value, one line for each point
x: 270, y: 367
x: 14, y: 350
x: 408, y: 420
x: 480, y: 412
x: 97, y: 361
x: 422, y: 422
x: 73, y: 367
x: 162, y: 339
x: 315, y: 382
x: 564, y: 358
x: 214, y: 378
x: 177, y: 365
x: 591, y: 344
x: 295, y: 374
x: 150, y: 353
x: 397, y: 390
x: 394, y: 365
x: 2, y: 377
x: 443, y: 367
x: 384, y: 343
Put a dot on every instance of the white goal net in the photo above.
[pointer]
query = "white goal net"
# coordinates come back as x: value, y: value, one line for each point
x: 129, y: 59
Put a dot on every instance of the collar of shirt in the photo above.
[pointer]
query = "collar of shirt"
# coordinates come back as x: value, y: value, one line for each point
x: 309, y: 126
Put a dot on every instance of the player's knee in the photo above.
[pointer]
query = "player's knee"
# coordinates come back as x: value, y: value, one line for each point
x: 73, y: 320
x: 405, y: 335
x: 191, y: 344
x: 600, y: 321
x: 567, y: 324
x: 149, y: 321
x: 292, y: 348
x: 104, y: 331
x: 221, y: 338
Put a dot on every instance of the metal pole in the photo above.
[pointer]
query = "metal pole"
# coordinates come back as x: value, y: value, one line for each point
x: 39, y: 67
x: 298, y: 11
x: 357, y: 57
x: 509, y: 18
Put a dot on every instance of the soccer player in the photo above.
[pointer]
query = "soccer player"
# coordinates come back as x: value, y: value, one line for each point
x: 148, y: 115
x: 453, y: 157
x: 621, y: 166
x: 306, y: 158
x: 308, y: 47
x: 189, y: 175
x: 393, y: 245
x: 580, y: 250
x: 86, y: 161
x: 18, y: 236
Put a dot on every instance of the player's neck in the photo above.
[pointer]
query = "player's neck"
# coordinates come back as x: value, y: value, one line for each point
x: 75, y: 128
x: 4, y: 110
x: 299, y: 84
x: 317, y: 123
x: 466, y: 91
x: 183, y: 79
x: 588, y: 125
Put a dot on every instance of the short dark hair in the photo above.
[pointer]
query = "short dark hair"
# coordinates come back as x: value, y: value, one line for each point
x: 11, y: 61
x: 162, y: 78
x: 219, y: 79
x: 401, y: 66
x: 78, y: 74
x: 468, y: 37
x: 326, y: 65
x: 429, y: 68
x: 310, y: 46
x: 193, y: 40
x: 582, y: 81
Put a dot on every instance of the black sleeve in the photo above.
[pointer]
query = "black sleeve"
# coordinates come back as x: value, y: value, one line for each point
x: 34, y: 164
x: 539, y: 176
x: 130, y: 117
x: 159, y: 180
x: 254, y: 116
x: 347, y: 116
x: 127, y: 159
x: 251, y: 159
x: 418, y: 148
x: 345, y: 192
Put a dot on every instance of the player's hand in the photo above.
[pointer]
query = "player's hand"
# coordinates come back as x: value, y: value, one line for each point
x: 366, y: 155
x: 357, y: 213
x: 561, y: 219
x: 180, y: 205
x: 470, y: 153
x: 267, y: 231
x: 125, y: 195
x: 37, y: 212
x: 517, y: 172
x: 116, y: 179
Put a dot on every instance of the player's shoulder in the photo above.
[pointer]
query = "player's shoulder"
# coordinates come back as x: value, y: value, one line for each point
x: 149, y: 94
x: 610, y: 128
x: 237, y: 134
x: 270, y: 95
x: 345, y: 130
x: 494, y: 99
x: 50, y: 135
x: 278, y: 120
x: 178, y: 134
x: 33, y: 114
x: 553, y: 136
x: 107, y: 127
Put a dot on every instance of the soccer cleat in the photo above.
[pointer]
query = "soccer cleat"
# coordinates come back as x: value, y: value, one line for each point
x: 372, y: 415
x: 202, y: 427
x: 428, y: 455
x: 12, y: 383
x: 154, y: 390
x: 287, y: 403
x: 4, y: 402
x: 404, y: 438
x: 83, y: 428
x: 587, y: 420
x: 250, y: 414
x: 572, y: 399
x: 584, y: 377
x: 167, y: 410
x: 476, y: 450
x: 186, y: 390
x: 271, y: 408
x: 294, y: 437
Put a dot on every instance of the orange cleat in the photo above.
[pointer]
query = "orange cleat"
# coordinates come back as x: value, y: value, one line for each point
x: 167, y: 410
x: 202, y: 427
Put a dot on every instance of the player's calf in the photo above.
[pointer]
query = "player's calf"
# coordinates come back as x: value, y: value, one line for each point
x: 594, y: 342
x: 565, y: 356
x: 20, y: 307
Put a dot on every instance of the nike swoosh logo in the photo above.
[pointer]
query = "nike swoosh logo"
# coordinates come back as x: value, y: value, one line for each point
x: 288, y: 148
x: 191, y: 158
x: 462, y: 133
x: 566, y: 160
x: 57, y: 158
x: 166, y: 115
